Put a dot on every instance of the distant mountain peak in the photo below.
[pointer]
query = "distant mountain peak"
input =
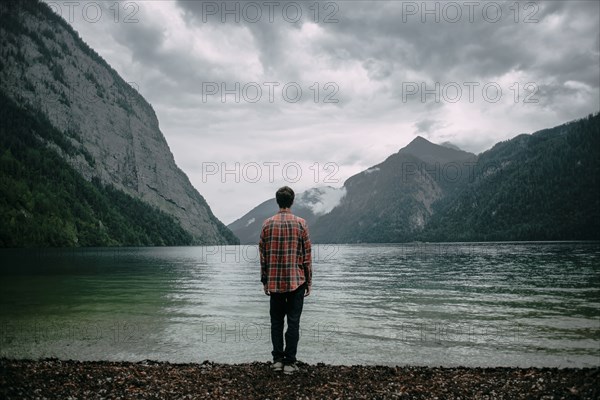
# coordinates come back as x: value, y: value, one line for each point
x: 431, y: 152
x: 419, y: 140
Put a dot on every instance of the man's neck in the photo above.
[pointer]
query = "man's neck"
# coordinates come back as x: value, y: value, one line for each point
x: 285, y: 209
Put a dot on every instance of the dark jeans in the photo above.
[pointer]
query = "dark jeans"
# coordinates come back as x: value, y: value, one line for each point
x: 286, y: 304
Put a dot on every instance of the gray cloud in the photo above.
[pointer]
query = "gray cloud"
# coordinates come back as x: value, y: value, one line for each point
x: 426, y: 126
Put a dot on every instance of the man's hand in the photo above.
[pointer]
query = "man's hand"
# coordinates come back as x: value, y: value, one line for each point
x: 266, y: 290
x: 307, y: 292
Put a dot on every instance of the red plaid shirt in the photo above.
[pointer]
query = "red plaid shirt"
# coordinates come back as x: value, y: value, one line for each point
x: 285, y: 258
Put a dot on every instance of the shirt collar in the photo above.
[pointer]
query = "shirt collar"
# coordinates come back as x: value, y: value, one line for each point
x: 285, y: 211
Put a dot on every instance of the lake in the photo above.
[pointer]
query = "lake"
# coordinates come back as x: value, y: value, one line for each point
x: 471, y: 304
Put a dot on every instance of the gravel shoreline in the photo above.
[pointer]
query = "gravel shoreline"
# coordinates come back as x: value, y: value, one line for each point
x: 67, y: 379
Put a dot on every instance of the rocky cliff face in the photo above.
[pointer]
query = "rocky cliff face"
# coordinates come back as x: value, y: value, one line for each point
x: 46, y: 65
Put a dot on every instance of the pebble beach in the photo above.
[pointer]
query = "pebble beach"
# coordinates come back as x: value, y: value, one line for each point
x: 68, y: 379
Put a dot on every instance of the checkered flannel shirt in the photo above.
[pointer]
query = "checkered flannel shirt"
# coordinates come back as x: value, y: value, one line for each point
x: 285, y: 252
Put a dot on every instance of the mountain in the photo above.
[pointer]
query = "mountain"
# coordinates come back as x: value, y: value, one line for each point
x: 45, y: 202
x: 540, y: 186
x: 392, y: 201
x: 433, y: 153
x: 389, y: 202
x: 83, y: 111
x: 543, y: 186
x: 308, y: 205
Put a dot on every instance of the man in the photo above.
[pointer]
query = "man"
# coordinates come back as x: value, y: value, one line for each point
x: 286, y: 275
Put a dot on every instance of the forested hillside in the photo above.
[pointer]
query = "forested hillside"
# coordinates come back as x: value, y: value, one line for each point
x: 45, y: 202
x: 544, y: 186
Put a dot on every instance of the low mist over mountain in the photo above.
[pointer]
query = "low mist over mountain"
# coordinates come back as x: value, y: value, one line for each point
x: 113, y: 179
x: 308, y: 205
x: 543, y: 186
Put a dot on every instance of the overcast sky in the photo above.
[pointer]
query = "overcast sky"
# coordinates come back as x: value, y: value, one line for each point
x: 316, y: 92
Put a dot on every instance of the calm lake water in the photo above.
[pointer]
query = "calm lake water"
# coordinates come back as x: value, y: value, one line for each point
x: 479, y: 304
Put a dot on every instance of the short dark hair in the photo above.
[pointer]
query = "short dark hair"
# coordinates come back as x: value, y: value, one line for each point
x: 285, y: 197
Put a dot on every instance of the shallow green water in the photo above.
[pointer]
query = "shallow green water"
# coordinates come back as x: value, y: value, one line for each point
x: 513, y: 304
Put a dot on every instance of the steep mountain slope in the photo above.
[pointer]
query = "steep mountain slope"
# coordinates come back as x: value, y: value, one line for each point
x: 45, y: 202
x: 113, y: 132
x: 544, y: 186
x: 392, y: 201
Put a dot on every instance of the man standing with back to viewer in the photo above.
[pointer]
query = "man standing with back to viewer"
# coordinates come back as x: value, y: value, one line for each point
x: 286, y: 275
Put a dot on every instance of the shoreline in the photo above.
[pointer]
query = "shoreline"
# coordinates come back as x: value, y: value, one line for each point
x: 53, y: 378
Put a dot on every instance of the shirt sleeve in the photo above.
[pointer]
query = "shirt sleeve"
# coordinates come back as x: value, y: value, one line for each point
x: 307, y: 257
x: 262, y: 249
